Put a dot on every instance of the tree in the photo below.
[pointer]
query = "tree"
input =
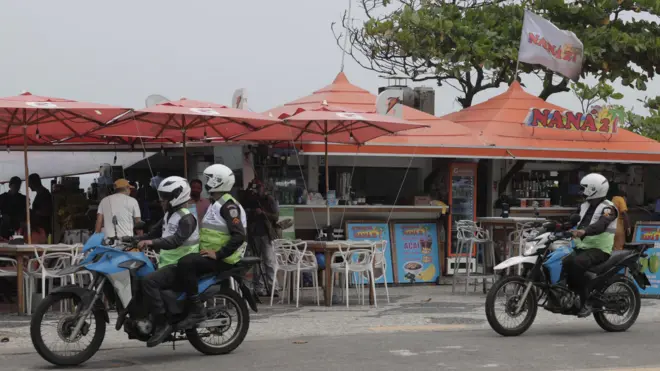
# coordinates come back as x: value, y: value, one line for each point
x: 473, y: 45
x: 603, y: 93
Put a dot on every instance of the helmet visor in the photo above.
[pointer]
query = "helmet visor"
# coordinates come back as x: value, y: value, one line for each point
x: 165, y: 196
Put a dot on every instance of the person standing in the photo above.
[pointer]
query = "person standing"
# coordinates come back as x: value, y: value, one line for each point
x: 12, y: 208
x: 196, y: 201
x: 120, y: 206
x: 263, y: 215
x: 623, y: 228
x: 42, y: 206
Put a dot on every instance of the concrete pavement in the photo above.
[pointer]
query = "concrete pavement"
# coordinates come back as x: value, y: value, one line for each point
x: 582, y: 347
x: 421, y: 324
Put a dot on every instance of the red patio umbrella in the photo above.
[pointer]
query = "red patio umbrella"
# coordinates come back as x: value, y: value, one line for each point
x: 32, y: 116
x: 330, y: 124
x: 179, y: 120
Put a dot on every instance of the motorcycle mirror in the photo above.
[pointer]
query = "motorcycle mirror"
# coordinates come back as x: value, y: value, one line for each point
x: 574, y: 219
x: 139, y: 226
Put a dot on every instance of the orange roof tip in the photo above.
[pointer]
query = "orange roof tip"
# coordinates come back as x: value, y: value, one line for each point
x: 25, y: 92
x: 341, y: 79
x: 515, y: 85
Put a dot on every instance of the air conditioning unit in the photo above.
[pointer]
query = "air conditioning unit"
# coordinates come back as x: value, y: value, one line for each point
x: 425, y: 99
x: 420, y: 98
x: 408, y: 94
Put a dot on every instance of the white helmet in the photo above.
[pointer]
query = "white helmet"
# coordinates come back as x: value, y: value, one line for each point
x: 594, y: 186
x: 175, y: 190
x: 219, y: 178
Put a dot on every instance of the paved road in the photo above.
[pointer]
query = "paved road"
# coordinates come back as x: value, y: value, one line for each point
x: 575, y: 347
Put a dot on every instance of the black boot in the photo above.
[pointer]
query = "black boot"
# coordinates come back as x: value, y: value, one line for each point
x: 196, y: 314
x: 162, y: 329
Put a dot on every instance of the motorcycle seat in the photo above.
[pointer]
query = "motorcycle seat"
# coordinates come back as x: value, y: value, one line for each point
x: 616, y: 258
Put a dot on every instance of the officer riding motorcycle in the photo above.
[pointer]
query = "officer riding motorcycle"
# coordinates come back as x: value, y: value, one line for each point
x: 175, y: 236
x: 594, y: 236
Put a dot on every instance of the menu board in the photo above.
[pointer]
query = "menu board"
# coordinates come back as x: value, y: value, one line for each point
x: 462, y: 202
x: 417, y: 250
x: 649, y: 232
x: 287, y: 222
x: 373, y: 231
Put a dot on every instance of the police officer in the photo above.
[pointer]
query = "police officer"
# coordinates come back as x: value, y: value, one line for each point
x: 594, y: 236
x: 222, y: 239
x: 178, y: 236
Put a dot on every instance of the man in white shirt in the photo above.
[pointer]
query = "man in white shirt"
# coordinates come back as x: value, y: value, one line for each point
x: 121, y: 206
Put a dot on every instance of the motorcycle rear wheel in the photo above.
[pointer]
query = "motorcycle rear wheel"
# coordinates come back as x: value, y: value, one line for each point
x: 243, y: 318
x: 634, y: 300
x: 531, y: 305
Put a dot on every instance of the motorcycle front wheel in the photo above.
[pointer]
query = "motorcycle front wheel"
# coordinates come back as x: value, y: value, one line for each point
x: 508, y: 292
x: 623, y: 291
x: 227, y: 304
x: 61, y: 321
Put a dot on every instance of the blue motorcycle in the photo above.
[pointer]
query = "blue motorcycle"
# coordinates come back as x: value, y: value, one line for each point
x: 116, y: 269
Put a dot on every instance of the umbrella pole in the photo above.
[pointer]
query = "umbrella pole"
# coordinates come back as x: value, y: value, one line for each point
x: 185, y: 157
x: 27, y: 187
x: 327, y: 182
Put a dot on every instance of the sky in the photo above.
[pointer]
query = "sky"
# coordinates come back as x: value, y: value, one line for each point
x: 119, y: 52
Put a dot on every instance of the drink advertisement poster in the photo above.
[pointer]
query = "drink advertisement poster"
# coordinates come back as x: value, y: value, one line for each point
x: 417, y: 251
x: 649, y: 232
x: 373, y: 231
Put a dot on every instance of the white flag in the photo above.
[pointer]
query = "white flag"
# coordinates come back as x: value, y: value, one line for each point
x: 545, y: 44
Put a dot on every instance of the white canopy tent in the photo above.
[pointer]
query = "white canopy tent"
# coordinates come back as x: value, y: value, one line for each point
x: 49, y: 164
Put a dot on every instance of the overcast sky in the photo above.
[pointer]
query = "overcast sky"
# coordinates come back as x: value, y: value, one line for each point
x: 118, y: 52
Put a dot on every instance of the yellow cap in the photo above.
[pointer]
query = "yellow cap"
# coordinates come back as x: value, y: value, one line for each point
x: 122, y: 183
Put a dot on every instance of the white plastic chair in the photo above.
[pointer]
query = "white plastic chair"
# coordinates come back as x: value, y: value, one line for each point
x: 293, y: 257
x: 356, y: 257
x: 48, y: 265
x: 380, y: 262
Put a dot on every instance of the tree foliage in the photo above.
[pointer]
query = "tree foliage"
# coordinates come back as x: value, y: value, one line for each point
x: 473, y: 45
x: 604, y: 93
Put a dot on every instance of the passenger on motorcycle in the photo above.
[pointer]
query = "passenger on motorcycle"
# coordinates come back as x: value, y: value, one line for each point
x: 178, y: 236
x: 222, y: 240
x: 594, y: 236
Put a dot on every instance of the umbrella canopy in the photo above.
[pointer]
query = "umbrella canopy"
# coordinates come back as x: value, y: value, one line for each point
x: 330, y: 124
x: 55, y: 117
x: 32, y: 116
x: 186, y: 118
x: 334, y: 124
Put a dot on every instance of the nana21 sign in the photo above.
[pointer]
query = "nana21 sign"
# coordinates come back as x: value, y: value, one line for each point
x: 604, y: 120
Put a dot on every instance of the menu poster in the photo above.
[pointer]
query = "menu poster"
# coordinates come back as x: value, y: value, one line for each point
x: 417, y: 251
x: 649, y: 232
x: 286, y: 223
x: 373, y: 231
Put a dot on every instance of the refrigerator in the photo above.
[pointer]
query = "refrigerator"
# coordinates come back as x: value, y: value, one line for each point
x: 462, y: 206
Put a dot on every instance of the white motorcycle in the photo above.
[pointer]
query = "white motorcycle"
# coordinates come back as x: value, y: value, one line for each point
x: 615, y: 297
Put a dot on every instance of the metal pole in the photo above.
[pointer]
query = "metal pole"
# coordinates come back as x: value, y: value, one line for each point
x: 27, y: 187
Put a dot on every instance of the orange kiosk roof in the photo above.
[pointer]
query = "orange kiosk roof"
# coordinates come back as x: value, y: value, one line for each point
x: 492, y: 129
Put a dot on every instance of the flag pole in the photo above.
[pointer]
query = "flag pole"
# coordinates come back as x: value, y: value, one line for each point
x: 515, y: 74
x: 346, y: 30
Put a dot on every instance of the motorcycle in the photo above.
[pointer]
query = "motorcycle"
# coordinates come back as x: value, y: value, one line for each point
x: 117, y: 268
x: 611, y: 288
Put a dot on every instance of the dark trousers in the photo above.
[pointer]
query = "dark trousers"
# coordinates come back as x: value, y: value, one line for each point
x: 184, y: 276
x: 193, y: 266
x: 154, y: 283
x: 576, y: 264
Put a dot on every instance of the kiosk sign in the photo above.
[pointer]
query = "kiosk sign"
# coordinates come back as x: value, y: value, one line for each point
x: 604, y: 120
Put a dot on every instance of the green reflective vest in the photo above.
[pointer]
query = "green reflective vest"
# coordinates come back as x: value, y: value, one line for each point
x: 191, y: 245
x: 214, y: 233
x: 603, y: 241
